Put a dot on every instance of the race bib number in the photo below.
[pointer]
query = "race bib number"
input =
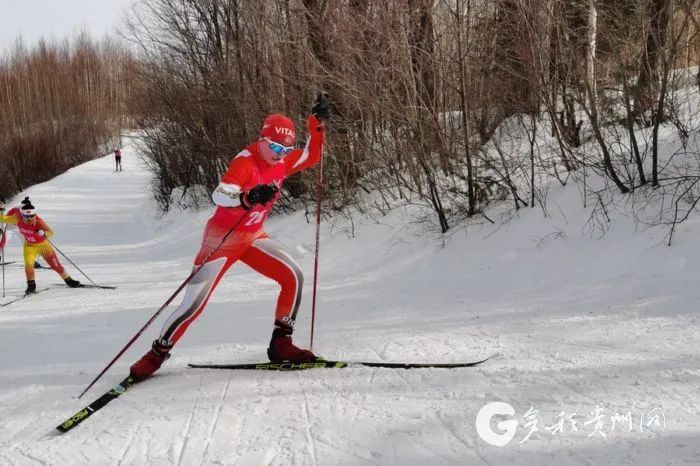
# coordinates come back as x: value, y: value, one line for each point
x: 255, y: 218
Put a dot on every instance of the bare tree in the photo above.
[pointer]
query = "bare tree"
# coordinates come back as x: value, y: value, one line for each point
x: 424, y: 93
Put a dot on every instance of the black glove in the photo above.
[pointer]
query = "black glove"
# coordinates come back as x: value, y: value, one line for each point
x: 260, y: 194
x: 321, y: 108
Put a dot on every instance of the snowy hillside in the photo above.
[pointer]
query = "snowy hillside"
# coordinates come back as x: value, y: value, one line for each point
x: 576, y: 323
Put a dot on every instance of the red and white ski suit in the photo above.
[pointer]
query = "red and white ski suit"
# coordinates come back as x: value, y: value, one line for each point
x: 248, y: 243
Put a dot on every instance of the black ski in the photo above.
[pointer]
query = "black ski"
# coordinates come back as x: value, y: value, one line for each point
x: 96, y: 405
x: 125, y: 384
x: 103, y: 287
x: 7, y: 263
x: 87, y: 285
x: 291, y: 366
x: 26, y: 295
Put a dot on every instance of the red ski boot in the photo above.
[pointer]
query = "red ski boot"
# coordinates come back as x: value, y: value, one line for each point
x: 282, y: 349
x: 151, y: 361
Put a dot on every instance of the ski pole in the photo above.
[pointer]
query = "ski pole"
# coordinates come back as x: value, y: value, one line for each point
x: 72, y: 263
x: 170, y: 299
x: 4, y: 240
x: 2, y: 258
x: 318, y: 245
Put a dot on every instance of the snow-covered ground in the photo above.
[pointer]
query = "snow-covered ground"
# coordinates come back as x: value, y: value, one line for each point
x: 578, y: 324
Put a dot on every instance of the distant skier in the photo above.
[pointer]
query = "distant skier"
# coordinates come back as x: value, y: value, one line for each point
x: 244, y: 198
x: 118, y: 159
x: 35, y: 232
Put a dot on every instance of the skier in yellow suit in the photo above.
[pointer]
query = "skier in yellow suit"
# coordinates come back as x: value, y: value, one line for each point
x: 35, y: 232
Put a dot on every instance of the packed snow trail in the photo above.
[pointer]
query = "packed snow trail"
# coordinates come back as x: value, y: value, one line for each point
x: 577, y: 322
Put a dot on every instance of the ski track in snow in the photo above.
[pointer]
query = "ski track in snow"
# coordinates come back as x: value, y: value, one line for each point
x: 574, y: 323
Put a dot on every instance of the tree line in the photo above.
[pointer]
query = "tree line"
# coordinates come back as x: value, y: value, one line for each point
x: 421, y: 91
x: 61, y: 104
